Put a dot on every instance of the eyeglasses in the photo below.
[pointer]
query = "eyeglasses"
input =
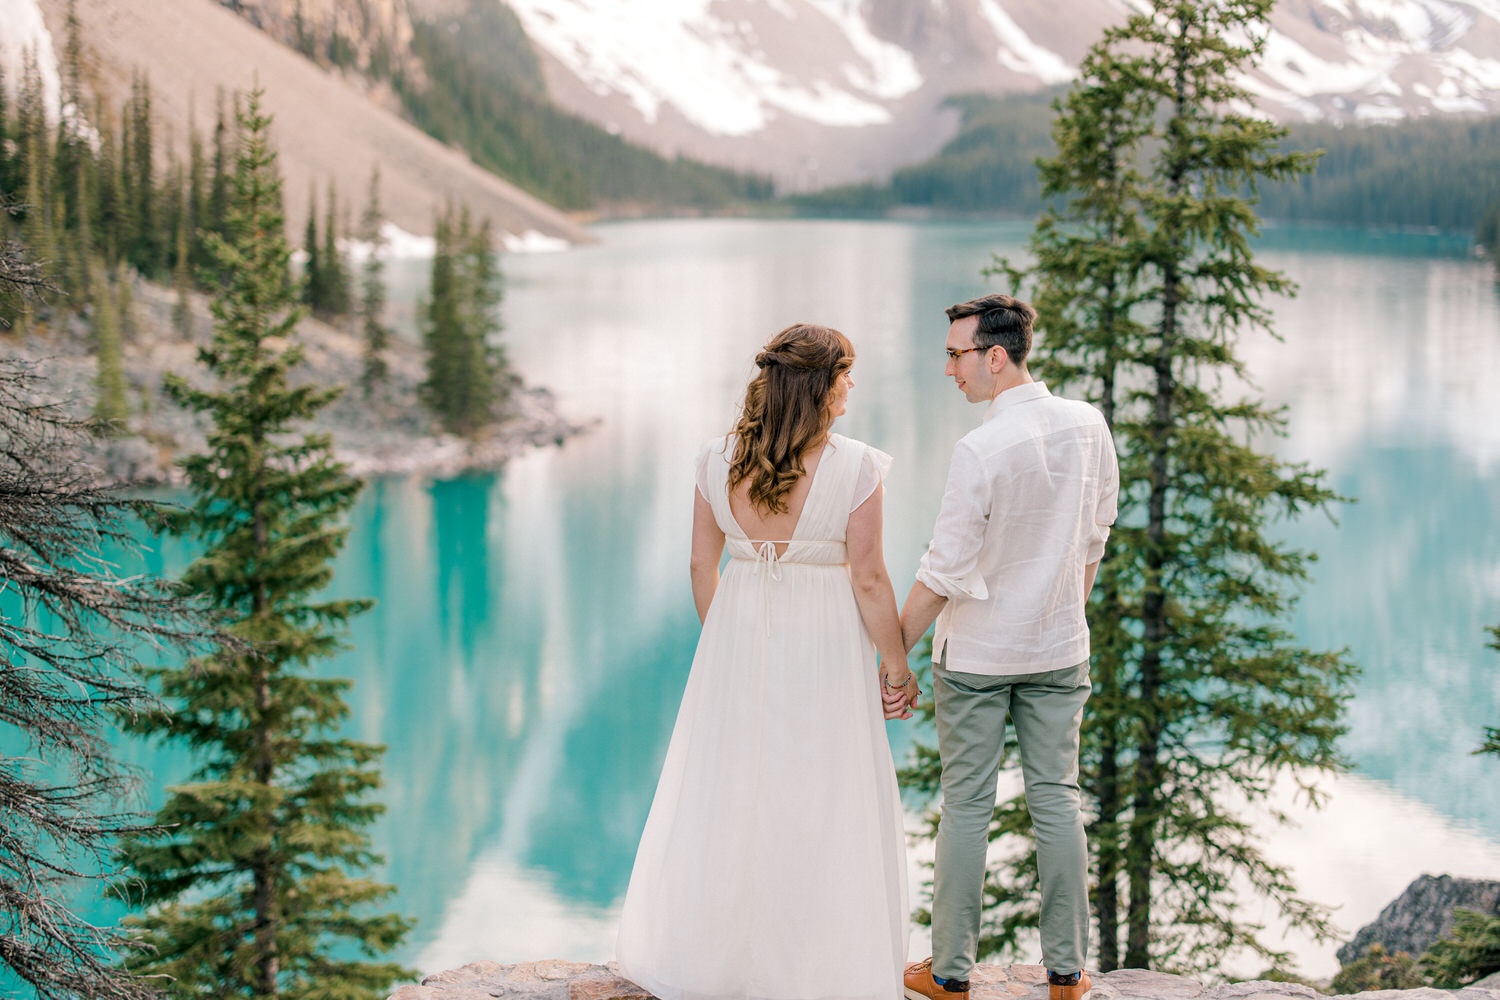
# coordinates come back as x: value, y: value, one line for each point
x: 955, y: 355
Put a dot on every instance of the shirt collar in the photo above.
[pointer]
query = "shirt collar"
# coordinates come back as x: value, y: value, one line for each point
x: 1023, y: 393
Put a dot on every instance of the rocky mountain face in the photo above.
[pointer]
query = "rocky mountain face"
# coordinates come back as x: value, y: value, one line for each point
x: 826, y: 91
x: 371, y: 36
x: 1422, y: 914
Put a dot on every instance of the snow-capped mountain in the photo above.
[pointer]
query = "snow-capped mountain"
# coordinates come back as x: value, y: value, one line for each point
x: 824, y: 91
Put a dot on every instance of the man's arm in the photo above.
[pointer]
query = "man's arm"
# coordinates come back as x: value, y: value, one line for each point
x: 919, y: 612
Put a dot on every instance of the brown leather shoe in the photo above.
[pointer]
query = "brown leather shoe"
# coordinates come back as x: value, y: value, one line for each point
x: 918, y: 984
x: 1068, y: 987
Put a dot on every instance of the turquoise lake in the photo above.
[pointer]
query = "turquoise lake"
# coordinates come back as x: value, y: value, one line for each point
x: 535, y: 627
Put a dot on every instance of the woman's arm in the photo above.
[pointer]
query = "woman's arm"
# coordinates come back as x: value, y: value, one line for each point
x: 873, y: 594
x: 708, y: 546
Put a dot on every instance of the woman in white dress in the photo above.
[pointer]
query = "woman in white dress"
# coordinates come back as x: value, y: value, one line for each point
x: 773, y: 865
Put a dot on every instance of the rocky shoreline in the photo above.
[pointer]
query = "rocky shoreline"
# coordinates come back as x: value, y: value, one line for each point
x: 555, y: 979
x: 388, y: 433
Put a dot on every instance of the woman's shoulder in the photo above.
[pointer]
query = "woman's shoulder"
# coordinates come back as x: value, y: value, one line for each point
x: 855, y: 447
x: 721, y: 444
x: 717, y: 450
x: 842, y: 443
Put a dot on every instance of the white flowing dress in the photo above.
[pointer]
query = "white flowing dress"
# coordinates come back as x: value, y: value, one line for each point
x: 773, y: 862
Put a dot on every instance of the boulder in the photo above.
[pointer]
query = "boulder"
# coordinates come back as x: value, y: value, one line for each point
x: 1422, y: 914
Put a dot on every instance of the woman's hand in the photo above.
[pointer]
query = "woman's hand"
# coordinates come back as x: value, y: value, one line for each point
x: 898, y: 699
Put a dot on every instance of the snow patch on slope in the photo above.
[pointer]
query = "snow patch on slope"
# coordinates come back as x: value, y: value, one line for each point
x: 25, y: 31
x: 1385, y: 42
x: 732, y: 67
x: 715, y: 72
x: 1018, y: 52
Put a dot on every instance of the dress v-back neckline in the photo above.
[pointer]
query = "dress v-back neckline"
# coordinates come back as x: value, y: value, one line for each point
x: 782, y: 544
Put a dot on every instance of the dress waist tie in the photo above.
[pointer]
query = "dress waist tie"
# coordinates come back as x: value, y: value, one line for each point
x: 768, y: 569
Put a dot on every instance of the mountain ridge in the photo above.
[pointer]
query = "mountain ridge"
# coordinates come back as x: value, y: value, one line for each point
x: 821, y: 92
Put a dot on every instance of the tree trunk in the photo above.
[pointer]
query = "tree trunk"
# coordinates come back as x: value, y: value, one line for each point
x: 1107, y: 835
x: 268, y: 962
x: 1108, y: 797
x: 1141, y: 850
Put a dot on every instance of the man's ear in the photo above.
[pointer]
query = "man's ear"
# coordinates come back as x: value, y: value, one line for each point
x: 998, y: 360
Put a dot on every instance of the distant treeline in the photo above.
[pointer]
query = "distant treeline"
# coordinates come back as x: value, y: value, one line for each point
x: 89, y: 194
x: 990, y: 166
x: 484, y: 92
x: 1440, y: 172
x: 1433, y: 172
x: 98, y: 195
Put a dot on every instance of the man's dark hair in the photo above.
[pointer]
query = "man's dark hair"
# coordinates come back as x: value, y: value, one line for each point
x: 1003, y: 320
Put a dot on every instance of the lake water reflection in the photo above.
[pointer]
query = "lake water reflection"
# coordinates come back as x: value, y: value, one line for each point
x: 535, y: 628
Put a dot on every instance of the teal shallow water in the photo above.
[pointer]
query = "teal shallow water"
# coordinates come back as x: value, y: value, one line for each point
x: 534, y: 628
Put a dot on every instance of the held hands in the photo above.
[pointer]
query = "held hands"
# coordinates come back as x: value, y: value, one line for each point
x: 898, y: 694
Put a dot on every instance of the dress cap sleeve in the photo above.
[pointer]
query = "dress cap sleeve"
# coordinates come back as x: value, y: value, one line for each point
x: 710, y: 459
x: 873, y: 466
x: 701, y: 475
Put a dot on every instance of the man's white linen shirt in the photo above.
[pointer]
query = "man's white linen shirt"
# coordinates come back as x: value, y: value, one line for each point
x: 1030, y: 497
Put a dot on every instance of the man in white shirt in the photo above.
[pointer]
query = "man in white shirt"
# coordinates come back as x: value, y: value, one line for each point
x: 1030, y: 497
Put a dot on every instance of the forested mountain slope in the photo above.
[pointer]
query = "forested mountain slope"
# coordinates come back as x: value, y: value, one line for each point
x: 328, y: 128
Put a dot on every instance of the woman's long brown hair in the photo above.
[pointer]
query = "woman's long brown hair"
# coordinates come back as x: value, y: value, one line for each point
x: 788, y: 409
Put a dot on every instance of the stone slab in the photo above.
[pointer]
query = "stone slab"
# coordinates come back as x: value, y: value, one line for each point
x: 556, y: 979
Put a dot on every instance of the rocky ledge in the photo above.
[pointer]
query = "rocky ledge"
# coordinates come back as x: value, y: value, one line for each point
x: 558, y: 980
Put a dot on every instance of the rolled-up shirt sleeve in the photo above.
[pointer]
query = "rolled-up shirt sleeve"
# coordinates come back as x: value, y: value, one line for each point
x: 1107, y: 509
x: 950, y: 568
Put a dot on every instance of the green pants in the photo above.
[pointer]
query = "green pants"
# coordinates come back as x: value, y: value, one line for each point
x: 1046, y: 710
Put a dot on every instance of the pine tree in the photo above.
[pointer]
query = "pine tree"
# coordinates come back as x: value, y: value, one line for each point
x: 255, y: 892
x: 336, y: 294
x: 71, y: 635
x: 218, y: 192
x: 8, y: 183
x: 23, y: 281
x: 110, y: 407
x: 182, y: 271
x: 38, y: 230
x: 463, y: 370
x: 73, y: 162
x: 109, y: 196
x: 377, y: 336
x: 480, y: 269
x: 1492, y: 736
x: 145, y: 247
x: 313, y: 274
x: 1471, y: 951
x: 1145, y: 278
x: 198, y: 198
